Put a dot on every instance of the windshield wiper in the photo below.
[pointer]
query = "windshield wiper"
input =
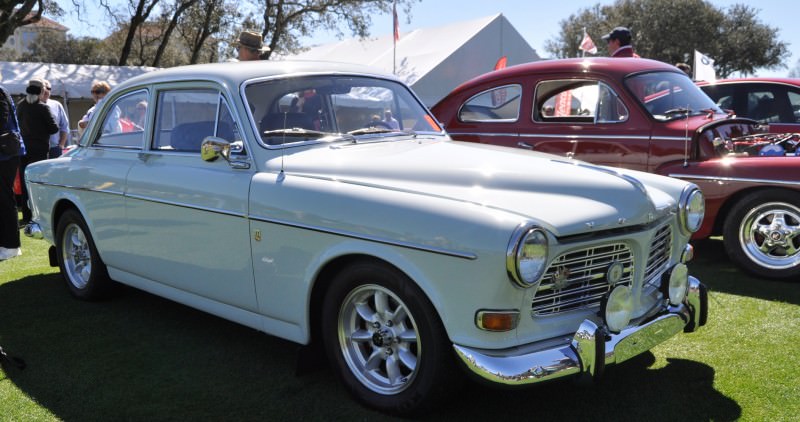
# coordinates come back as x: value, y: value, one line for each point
x: 679, y: 110
x: 370, y: 130
x: 295, y: 131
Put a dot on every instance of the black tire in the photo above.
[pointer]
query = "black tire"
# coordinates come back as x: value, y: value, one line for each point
x: 762, y: 234
x: 83, y: 270
x: 412, y: 365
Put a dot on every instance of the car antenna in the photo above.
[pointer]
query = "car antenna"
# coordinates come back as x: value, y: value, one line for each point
x: 686, y: 139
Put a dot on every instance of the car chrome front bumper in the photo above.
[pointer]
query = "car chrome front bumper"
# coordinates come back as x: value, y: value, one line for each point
x: 591, y: 348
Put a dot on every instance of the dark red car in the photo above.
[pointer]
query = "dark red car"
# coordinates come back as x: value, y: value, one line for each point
x: 774, y: 102
x: 647, y: 115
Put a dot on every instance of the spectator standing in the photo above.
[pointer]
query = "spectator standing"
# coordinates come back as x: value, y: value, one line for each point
x: 99, y: 91
x: 251, y: 46
x: 389, y: 120
x: 58, y: 141
x: 619, y: 42
x: 36, y: 125
x: 685, y: 67
x: 9, y: 163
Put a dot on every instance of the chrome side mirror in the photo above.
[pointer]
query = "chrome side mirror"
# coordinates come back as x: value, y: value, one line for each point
x: 213, y: 147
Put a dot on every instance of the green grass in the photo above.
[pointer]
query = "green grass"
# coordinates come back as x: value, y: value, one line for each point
x: 140, y: 357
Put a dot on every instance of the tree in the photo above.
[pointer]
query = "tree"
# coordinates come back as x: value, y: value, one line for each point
x: 203, y: 24
x: 285, y: 22
x: 671, y: 31
x: 16, y: 13
x: 795, y: 72
x: 70, y: 50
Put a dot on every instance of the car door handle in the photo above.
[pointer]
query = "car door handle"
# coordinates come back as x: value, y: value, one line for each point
x: 525, y: 145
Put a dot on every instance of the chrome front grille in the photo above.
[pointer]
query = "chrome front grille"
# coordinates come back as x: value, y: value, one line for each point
x: 660, y: 251
x: 577, y: 279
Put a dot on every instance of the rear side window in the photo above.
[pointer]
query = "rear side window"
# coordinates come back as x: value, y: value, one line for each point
x: 577, y: 101
x: 185, y: 117
x: 123, y: 123
x: 499, y: 104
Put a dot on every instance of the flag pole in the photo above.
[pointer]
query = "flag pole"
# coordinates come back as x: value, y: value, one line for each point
x: 394, y: 37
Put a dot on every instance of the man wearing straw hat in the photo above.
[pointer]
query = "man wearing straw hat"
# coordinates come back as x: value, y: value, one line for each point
x: 250, y: 46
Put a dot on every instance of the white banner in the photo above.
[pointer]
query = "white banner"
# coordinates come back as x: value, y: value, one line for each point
x: 703, y: 68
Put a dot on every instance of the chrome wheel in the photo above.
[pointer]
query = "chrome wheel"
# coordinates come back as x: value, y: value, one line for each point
x: 770, y: 235
x: 77, y: 256
x: 379, y: 339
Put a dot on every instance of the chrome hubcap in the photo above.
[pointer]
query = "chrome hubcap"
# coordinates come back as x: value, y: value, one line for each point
x: 77, y: 256
x: 770, y: 235
x: 379, y: 339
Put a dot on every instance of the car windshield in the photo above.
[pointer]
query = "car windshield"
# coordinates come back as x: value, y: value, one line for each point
x: 324, y: 108
x: 670, y: 95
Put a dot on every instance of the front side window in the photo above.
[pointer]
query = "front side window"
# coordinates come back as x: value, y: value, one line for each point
x: 185, y: 117
x: 577, y: 101
x: 794, y: 101
x: 499, y: 104
x: 670, y: 95
x: 123, y: 122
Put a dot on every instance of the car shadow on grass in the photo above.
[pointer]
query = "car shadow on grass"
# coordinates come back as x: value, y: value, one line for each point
x: 713, y: 267
x: 141, y: 357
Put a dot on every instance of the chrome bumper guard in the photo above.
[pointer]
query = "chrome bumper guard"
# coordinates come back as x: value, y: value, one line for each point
x: 33, y: 230
x: 591, y: 348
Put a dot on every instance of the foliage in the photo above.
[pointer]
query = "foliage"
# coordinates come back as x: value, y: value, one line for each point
x: 104, y: 360
x: 16, y: 13
x: 70, y: 50
x: 284, y: 23
x: 795, y: 72
x: 671, y: 31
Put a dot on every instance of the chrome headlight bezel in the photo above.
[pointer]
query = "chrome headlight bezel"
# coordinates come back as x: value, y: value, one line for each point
x: 691, y: 209
x: 527, y: 256
x: 617, y: 308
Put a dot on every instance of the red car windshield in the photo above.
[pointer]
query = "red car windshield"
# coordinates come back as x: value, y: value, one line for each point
x: 670, y: 95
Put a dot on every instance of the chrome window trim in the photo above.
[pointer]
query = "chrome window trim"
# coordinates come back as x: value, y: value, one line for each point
x: 485, y: 91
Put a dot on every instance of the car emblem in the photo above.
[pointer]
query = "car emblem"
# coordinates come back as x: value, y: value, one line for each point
x: 615, y: 272
x: 561, y: 277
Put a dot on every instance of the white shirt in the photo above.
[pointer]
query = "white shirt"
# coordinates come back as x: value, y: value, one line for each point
x: 60, y: 117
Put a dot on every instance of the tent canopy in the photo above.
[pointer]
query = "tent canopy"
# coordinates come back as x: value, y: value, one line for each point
x: 69, y: 81
x: 433, y: 61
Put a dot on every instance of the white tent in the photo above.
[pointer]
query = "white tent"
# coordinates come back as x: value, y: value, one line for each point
x: 433, y: 61
x: 71, y: 82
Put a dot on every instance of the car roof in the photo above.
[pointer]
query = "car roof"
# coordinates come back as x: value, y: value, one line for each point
x: 614, y: 67
x: 234, y: 73
x: 787, y: 81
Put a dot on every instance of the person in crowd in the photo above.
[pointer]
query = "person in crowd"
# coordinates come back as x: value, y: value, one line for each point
x: 250, y: 46
x: 141, y: 115
x: 36, y: 124
x: 619, y: 42
x: 10, y: 151
x: 389, y: 120
x: 99, y: 90
x: 685, y: 67
x: 58, y: 141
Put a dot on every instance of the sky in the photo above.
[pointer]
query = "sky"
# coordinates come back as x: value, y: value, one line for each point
x: 537, y: 21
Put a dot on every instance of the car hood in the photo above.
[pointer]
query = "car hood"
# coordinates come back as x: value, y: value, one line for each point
x: 566, y: 196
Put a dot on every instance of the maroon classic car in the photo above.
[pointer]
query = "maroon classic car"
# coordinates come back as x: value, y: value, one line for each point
x: 647, y: 115
x: 774, y: 102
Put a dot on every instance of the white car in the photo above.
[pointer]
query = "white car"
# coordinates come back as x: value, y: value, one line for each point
x: 271, y: 194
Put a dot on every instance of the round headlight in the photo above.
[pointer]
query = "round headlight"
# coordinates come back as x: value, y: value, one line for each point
x: 677, y: 284
x: 692, y: 210
x: 528, y: 257
x: 618, y: 308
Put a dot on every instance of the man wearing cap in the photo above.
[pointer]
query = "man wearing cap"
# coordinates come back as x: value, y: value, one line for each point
x: 619, y: 42
x: 36, y: 124
x: 250, y: 46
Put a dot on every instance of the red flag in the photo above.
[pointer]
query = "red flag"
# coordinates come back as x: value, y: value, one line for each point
x: 587, y: 44
x: 396, y: 22
x: 501, y: 63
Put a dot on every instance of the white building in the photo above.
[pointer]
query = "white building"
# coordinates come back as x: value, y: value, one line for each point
x: 24, y: 36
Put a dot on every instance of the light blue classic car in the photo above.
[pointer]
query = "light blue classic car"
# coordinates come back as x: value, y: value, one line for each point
x: 322, y: 203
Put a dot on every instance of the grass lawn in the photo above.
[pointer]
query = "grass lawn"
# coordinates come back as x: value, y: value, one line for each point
x: 139, y: 357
